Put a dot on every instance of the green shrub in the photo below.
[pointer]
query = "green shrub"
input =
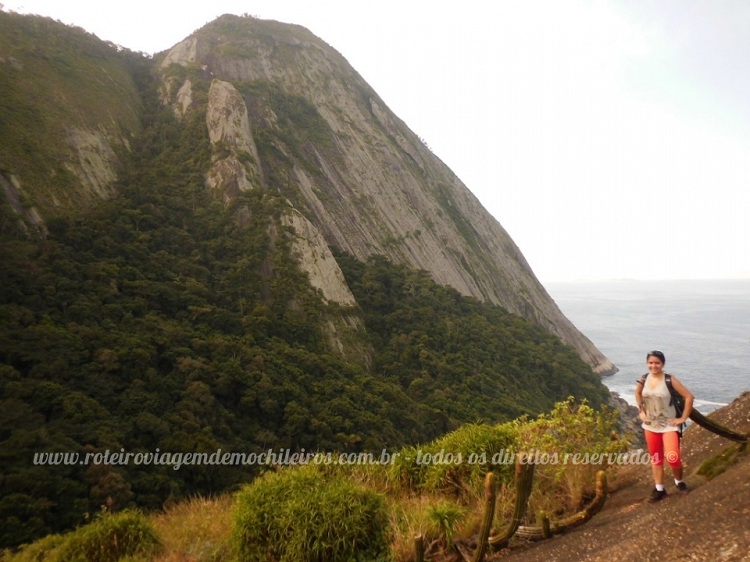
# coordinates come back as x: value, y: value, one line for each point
x: 457, y: 463
x: 300, y: 515
x: 570, y: 445
x: 476, y: 449
x: 445, y: 518
x: 109, y: 539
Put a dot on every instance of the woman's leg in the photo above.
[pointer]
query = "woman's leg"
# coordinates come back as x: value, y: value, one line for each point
x: 655, y: 444
x: 672, y: 453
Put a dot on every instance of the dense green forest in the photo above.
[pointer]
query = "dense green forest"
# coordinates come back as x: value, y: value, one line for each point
x: 165, y: 319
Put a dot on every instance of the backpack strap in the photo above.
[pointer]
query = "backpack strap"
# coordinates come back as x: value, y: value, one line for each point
x: 675, y: 399
x: 668, y: 381
x: 673, y: 394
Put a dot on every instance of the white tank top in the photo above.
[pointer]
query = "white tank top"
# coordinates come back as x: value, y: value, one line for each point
x: 658, y: 410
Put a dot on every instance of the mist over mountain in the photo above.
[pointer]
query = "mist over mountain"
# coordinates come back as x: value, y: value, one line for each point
x: 236, y: 244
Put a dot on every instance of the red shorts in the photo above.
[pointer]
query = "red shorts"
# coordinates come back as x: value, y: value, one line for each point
x: 664, y: 445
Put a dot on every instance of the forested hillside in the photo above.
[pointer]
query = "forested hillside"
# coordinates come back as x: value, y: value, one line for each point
x: 163, y: 318
x: 62, y: 87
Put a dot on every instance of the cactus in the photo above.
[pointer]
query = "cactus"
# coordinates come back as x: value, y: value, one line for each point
x: 590, y: 510
x: 542, y: 521
x: 716, y: 428
x: 489, y: 515
x: 524, y: 480
x: 419, y: 548
x: 537, y: 533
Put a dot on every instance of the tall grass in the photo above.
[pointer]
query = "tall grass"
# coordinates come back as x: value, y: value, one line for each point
x: 302, y: 515
x: 363, y: 512
x: 197, y: 529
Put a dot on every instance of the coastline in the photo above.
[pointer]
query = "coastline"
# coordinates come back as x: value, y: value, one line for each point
x: 630, y: 425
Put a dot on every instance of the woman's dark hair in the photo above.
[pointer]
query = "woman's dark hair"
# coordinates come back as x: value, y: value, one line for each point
x: 658, y: 354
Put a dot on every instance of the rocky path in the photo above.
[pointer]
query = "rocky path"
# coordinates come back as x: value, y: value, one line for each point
x: 710, y: 523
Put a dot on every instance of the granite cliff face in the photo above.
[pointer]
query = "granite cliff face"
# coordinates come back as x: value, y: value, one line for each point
x: 285, y: 113
x: 229, y: 128
x: 361, y: 178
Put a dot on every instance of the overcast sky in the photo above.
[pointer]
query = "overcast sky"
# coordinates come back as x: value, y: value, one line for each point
x: 611, y: 139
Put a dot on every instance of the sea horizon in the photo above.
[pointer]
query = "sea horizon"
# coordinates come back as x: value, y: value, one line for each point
x: 702, y: 325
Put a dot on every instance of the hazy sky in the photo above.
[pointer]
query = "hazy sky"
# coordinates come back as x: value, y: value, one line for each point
x: 611, y: 139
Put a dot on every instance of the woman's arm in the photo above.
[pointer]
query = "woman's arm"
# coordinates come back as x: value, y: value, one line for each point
x: 639, y: 400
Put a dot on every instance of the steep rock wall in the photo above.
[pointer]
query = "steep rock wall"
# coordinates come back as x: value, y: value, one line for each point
x: 316, y: 259
x: 229, y: 131
x: 373, y: 186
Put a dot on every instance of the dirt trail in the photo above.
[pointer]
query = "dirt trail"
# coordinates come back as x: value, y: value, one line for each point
x: 710, y: 523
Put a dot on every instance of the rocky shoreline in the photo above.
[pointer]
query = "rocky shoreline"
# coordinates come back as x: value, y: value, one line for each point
x: 630, y: 425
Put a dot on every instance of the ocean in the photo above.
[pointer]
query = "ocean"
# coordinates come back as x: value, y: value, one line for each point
x: 703, y: 328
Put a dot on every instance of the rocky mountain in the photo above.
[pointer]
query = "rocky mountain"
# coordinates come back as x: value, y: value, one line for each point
x: 285, y: 113
x: 236, y: 246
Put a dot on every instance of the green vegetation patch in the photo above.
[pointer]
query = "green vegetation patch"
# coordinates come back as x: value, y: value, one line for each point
x: 717, y: 464
x: 457, y: 462
x: 299, y: 126
x: 109, y: 538
x: 472, y: 360
x: 300, y: 515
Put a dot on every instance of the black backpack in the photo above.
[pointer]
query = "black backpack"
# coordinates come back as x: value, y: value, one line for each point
x: 675, y: 400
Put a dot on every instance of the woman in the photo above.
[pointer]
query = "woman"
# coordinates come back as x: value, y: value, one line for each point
x: 661, y: 426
